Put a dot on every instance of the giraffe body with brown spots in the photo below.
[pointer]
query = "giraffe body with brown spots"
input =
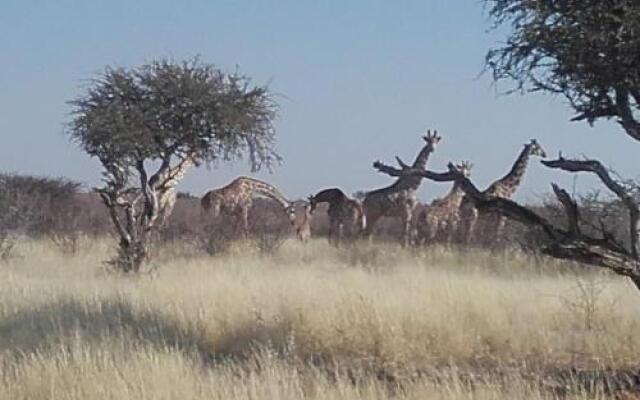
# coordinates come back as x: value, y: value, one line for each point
x: 439, y: 220
x: 236, y: 199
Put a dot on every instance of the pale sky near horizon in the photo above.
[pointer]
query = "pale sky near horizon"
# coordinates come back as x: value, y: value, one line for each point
x: 358, y: 81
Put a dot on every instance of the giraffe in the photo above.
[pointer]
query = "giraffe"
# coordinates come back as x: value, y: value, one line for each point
x: 504, y: 188
x: 303, y: 228
x: 236, y: 199
x: 167, y: 187
x: 344, y: 213
x: 441, y: 218
x: 399, y: 199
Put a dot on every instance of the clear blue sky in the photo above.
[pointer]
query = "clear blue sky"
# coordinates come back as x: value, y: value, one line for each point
x: 360, y: 81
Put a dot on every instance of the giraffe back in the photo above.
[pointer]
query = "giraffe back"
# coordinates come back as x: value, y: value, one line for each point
x: 239, y: 194
x: 331, y: 196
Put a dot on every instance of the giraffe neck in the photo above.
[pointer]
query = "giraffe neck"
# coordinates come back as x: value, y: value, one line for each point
x: 455, y: 195
x: 411, y: 183
x: 269, y: 191
x: 423, y: 156
x: 174, y: 175
x: 506, y: 185
x: 306, y: 220
x: 333, y: 195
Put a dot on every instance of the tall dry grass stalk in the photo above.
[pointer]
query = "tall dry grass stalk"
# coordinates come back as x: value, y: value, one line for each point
x: 311, y: 322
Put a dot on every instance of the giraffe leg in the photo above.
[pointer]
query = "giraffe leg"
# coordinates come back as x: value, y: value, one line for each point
x: 244, y: 218
x: 439, y: 232
x: 372, y: 220
x: 406, y: 222
x: 425, y: 231
x: 332, y: 230
x: 340, y: 233
x: 473, y: 221
x: 428, y: 234
x: 498, y: 222
x: 237, y: 222
x: 451, y: 229
x: 469, y: 219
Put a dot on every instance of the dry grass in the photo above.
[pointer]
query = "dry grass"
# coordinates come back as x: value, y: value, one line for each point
x: 310, y: 322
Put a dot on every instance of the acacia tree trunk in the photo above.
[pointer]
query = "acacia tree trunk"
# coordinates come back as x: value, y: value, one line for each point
x: 134, y: 210
x: 133, y: 229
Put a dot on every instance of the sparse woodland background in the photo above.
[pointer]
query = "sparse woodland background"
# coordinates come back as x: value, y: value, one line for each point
x: 63, y: 211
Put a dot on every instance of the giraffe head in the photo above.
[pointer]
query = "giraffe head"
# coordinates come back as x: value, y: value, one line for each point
x: 362, y: 218
x: 312, y: 204
x: 308, y: 209
x: 534, y: 149
x: 211, y: 203
x: 464, y: 168
x: 432, y: 139
x: 290, y: 210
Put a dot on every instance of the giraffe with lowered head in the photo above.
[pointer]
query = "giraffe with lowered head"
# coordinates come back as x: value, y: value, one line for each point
x: 344, y: 213
x: 440, y: 219
x: 399, y: 199
x: 236, y: 199
x: 504, y: 188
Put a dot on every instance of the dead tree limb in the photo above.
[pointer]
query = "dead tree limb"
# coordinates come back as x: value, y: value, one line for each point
x: 570, y: 208
x: 569, y: 244
x: 623, y: 193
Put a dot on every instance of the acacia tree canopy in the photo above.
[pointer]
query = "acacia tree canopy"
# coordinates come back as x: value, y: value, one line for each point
x: 178, y: 114
x: 585, y: 50
x: 164, y: 108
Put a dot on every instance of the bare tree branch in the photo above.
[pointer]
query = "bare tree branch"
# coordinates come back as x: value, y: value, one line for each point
x: 627, y: 120
x: 563, y: 244
x: 619, y: 190
x: 151, y: 200
x: 570, y: 208
x: 113, y: 214
x: 401, y: 163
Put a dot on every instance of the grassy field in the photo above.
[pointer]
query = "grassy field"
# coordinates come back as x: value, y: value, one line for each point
x: 311, y: 322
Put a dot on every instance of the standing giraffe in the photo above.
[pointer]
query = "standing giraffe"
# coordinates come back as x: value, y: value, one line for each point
x: 440, y: 219
x: 303, y: 227
x: 344, y: 213
x: 167, y: 187
x: 399, y: 199
x: 504, y: 188
x: 237, y: 197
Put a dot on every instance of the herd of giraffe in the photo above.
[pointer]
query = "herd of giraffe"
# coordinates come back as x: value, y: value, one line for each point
x: 444, y: 220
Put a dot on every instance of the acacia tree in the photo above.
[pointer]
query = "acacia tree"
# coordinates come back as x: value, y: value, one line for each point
x: 147, y: 125
x: 587, y: 51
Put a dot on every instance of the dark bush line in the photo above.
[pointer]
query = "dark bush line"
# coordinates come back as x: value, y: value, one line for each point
x: 58, y: 209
